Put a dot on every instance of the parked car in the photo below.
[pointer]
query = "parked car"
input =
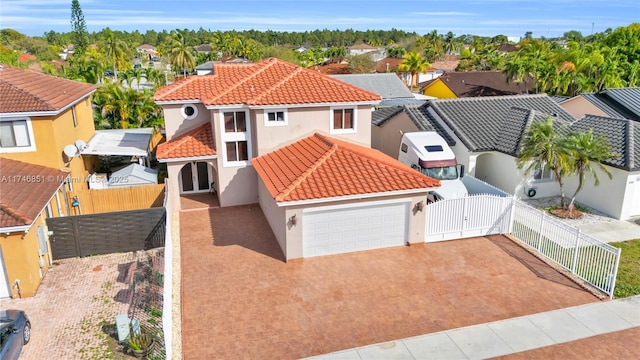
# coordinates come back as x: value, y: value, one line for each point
x: 108, y: 73
x: 15, y: 332
x: 137, y: 66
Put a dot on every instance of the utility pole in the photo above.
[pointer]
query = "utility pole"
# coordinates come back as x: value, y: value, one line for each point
x: 592, y: 24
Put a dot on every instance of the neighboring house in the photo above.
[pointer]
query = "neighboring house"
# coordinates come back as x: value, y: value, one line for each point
x: 360, y: 49
x: 620, y: 196
x: 392, y: 90
x: 145, y: 49
x: 203, y: 48
x: 28, y: 195
x: 43, y: 120
x: 204, y: 69
x: 66, y: 52
x: 388, y: 65
x: 266, y: 133
x: 438, y: 68
x: 474, y: 84
x: 621, y: 103
x: 487, y: 132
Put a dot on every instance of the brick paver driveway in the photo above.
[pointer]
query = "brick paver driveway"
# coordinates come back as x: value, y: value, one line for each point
x: 241, y: 300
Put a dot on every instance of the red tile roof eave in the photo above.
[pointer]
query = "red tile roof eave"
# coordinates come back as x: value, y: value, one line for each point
x: 353, y: 197
x: 185, y: 159
x: 20, y: 228
x: 53, y: 112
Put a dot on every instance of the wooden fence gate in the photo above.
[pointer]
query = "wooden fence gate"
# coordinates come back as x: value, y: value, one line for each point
x: 106, y: 233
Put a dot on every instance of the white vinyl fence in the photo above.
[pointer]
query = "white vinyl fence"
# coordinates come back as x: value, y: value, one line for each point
x: 467, y: 216
x: 591, y: 260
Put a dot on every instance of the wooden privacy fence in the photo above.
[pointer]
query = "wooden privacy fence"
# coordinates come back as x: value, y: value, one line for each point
x: 94, y: 234
x: 115, y: 199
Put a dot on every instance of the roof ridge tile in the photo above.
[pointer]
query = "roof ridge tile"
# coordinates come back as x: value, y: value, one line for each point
x: 261, y: 65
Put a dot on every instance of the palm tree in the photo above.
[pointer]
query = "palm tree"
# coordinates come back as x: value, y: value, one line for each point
x: 118, y: 105
x: 585, y: 149
x: 115, y: 49
x: 544, y: 148
x: 181, y: 52
x: 414, y: 63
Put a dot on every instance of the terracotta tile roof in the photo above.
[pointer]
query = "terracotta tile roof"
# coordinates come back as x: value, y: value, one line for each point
x: 25, y: 190
x: 322, y: 167
x: 446, y: 65
x: 268, y: 82
x: 381, y: 66
x: 29, y: 91
x: 197, y: 142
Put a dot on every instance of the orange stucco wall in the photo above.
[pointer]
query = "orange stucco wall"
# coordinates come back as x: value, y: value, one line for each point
x: 22, y: 260
x: 53, y: 133
x: 440, y: 90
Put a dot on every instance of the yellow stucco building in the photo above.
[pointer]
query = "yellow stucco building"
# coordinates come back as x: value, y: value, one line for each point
x: 40, y: 117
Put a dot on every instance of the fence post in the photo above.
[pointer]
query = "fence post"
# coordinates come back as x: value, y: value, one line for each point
x: 575, y: 254
x: 540, y: 231
x: 512, y: 214
x: 615, y: 274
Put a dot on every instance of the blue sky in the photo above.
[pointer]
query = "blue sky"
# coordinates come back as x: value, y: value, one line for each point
x: 548, y: 18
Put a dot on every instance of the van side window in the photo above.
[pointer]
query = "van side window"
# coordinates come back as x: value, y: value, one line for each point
x: 404, y: 148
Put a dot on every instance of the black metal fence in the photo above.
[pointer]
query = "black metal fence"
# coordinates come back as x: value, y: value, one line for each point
x: 106, y: 233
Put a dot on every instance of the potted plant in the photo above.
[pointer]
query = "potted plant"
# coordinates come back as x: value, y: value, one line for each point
x: 140, y: 343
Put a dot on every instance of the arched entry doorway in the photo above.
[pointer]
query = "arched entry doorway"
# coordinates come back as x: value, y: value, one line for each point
x: 195, y: 177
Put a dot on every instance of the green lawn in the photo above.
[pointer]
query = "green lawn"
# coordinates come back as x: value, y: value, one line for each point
x: 628, y: 279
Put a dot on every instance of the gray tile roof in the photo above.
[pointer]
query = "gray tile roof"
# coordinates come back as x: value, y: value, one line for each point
x: 480, y: 122
x: 401, y: 102
x: 426, y: 122
x: 387, y: 85
x: 382, y: 114
x: 603, y: 105
x: 418, y: 115
x: 628, y: 98
x: 559, y: 98
x: 622, y: 134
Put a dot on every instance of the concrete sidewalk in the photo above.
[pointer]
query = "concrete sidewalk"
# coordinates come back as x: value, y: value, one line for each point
x: 612, y: 231
x: 507, y: 336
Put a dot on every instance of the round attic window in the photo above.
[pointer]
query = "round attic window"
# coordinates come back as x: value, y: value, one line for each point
x: 189, y: 112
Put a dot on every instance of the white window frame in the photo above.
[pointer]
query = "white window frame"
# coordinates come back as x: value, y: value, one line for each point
x: 30, y: 134
x: 542, y: 172
x: 268, y: 123
x: 343, y: 131
x: 226, y: 137
x: 184, y: 114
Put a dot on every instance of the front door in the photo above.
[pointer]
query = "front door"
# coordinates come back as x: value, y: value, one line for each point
x: 195, y: 177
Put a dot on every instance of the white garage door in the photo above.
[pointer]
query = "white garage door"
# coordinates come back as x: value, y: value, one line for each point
x: 335, y: 230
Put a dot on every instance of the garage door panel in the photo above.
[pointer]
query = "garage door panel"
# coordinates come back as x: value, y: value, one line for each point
x: 363, y: 227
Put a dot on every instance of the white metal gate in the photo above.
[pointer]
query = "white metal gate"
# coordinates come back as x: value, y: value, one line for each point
x: 469, y: 216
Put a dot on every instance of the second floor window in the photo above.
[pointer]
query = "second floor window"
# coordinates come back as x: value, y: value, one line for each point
x: 235, y: 122
x: 237, y: 151
x: 14, y: 134
x: 343, y: 119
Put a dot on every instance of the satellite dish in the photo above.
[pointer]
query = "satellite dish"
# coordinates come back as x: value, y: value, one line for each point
x: 70, y: 151
x: 81, y: 145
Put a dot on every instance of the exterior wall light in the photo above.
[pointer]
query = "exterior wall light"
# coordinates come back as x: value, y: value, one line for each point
x: 419, y: 205
x: 293, y: 219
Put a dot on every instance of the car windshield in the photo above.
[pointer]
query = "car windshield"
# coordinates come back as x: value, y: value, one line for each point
x: 442, y: 173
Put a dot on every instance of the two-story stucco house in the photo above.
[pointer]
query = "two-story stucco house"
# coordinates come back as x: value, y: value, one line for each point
x: 40, y: 116
x: 297, y: 142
